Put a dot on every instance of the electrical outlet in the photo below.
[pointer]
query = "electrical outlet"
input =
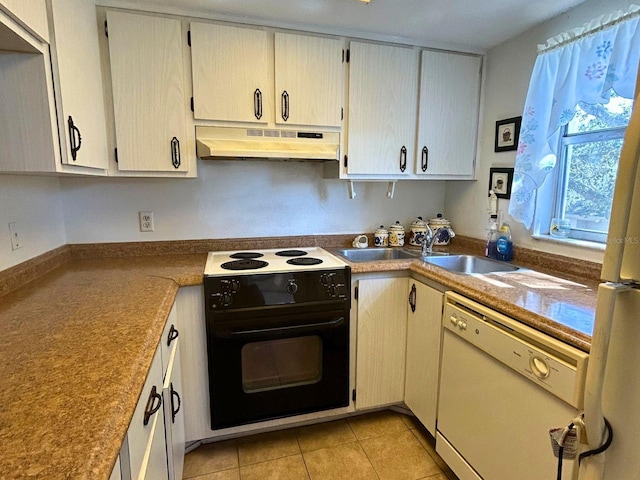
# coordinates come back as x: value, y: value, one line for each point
x: 146, y: 221
x: 16, y: 239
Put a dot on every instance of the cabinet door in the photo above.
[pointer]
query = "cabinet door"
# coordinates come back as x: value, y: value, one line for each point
x: 77, y: 65
x: 195, y: 373
x: 448, y: 119
x: 231, y: 73
x: 383, y: 92
x: 309, y: 80
x: 423, y: 352
x: 147, y: 448
x: 173, y: 414
x: 381, y: 342
x: 147, y: 76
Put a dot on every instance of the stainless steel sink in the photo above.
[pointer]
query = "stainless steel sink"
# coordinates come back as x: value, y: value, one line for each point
x: 468, y: 264
x: 373, y: 254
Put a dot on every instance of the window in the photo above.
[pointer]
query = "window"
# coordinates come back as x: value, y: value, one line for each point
x: 573, y: 124
x: 587, y: 164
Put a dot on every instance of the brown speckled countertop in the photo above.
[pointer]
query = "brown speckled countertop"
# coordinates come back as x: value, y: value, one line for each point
x: 76, y: 346
x: 561, y: 307
x: 78, y: 339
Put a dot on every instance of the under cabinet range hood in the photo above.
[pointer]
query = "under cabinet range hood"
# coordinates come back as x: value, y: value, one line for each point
x: 235, y: 143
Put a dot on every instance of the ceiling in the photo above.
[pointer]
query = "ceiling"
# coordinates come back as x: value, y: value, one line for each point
x: 471, y: 24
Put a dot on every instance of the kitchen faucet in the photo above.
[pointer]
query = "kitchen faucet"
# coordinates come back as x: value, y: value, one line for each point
x: 431, y: 237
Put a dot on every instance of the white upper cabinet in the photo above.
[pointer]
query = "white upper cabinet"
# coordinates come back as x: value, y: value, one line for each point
x: 149, y: 100
x: 51, y: 95
x: 247, y: 75
x: 77, y: 66
x: 448, y: 118
x: 309, y: 80
x: 232, y: 78
x: 383, y: 86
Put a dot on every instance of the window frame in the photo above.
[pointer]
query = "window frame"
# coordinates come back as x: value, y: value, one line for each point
x: 566, y: 140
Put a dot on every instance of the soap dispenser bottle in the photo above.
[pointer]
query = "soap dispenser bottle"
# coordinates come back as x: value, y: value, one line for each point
x: 491, y: 250
x: 504, y: 244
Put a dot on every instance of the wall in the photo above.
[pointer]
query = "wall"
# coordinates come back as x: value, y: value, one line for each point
x: 34, y: 203
x: 509, y: 67
x: 238, y: 199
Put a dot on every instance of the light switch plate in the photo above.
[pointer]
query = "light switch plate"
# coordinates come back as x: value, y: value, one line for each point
x: 16, y: 240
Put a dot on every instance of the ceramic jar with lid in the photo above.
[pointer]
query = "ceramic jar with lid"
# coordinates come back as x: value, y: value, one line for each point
x: 417, y: 232
x: 437, y: 224
x: 381, y: 237
x: 396, y: 235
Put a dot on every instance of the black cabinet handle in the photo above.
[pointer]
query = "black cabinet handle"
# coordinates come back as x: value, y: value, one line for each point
x: 285, y: 106
x: 425, y: 159
x: 403, y: 158
x: 173, y: 334
x: 175, y: 153
x: 152, y: 407
x: 257, y: 104
x: 174, y: 410
x: 412, y: 298
x: 74, y: 133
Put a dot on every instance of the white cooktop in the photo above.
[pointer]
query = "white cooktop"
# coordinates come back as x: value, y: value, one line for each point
x: 275, y: 262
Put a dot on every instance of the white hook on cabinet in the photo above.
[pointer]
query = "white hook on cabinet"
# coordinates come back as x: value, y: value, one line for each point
x: 352, y: 189
x: 391, y: 189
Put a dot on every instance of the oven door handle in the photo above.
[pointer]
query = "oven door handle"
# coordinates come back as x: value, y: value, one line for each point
x: 290, y: 329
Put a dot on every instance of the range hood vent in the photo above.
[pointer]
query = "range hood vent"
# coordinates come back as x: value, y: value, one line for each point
x: 220, y: 143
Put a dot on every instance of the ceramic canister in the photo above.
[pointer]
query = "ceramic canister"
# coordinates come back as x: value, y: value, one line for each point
x: 381, y: 237
x: 438, y: 223
x: 396, y: 235
x: 417, y: 232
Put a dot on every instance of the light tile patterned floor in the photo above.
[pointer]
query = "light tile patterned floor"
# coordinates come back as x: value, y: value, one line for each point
x: 383, y: 445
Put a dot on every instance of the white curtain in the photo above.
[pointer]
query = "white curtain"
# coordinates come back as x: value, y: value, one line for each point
x: 582, y: 65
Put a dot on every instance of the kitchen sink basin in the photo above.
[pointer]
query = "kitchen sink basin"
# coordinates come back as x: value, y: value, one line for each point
x: 468, y: 264
x: 373, y: 254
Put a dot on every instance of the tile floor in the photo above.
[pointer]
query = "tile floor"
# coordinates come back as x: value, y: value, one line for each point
x: 383, y: 445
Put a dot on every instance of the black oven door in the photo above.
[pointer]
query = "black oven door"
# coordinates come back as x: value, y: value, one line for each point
x: 270, y: 367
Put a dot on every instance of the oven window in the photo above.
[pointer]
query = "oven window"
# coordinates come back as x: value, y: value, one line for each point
x: 287, y: 362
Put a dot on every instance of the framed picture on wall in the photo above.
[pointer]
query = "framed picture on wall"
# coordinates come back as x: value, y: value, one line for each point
x: 500, y: 180
x: 507, y: 133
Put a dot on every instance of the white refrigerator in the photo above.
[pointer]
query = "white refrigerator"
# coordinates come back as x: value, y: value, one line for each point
x: 613, y: 376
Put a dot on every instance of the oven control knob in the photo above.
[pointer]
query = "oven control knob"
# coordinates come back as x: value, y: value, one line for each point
x: 232, y: 285
x: 332, y: 290
x: 292, y: 287
x: 226, y: 299
x: 326, y: 280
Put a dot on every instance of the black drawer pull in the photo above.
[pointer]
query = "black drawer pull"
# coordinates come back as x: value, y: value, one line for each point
x: 175, y: 153
x: 425, y: 159
x: 74, y: 133
x: 152, y: 407
x: 257, y: 104
x: 403, y: 158
x: 173, y: 334
x: 174, y: 410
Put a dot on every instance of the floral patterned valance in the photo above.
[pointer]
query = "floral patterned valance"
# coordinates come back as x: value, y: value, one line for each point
x: 582, y: 68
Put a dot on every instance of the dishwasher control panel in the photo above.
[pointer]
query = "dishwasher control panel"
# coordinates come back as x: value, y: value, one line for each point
x: 555, y: 366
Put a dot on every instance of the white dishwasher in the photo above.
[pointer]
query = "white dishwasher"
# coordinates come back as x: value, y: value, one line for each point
x: 503, y: 385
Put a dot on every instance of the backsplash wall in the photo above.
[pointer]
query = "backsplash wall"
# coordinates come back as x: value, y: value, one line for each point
x: 34, y: 203
x: 238, y: 199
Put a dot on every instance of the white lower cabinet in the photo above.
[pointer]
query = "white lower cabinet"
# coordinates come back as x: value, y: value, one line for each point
x: 381, y: 341
x: 423, y: 352
x: 154, y: 446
